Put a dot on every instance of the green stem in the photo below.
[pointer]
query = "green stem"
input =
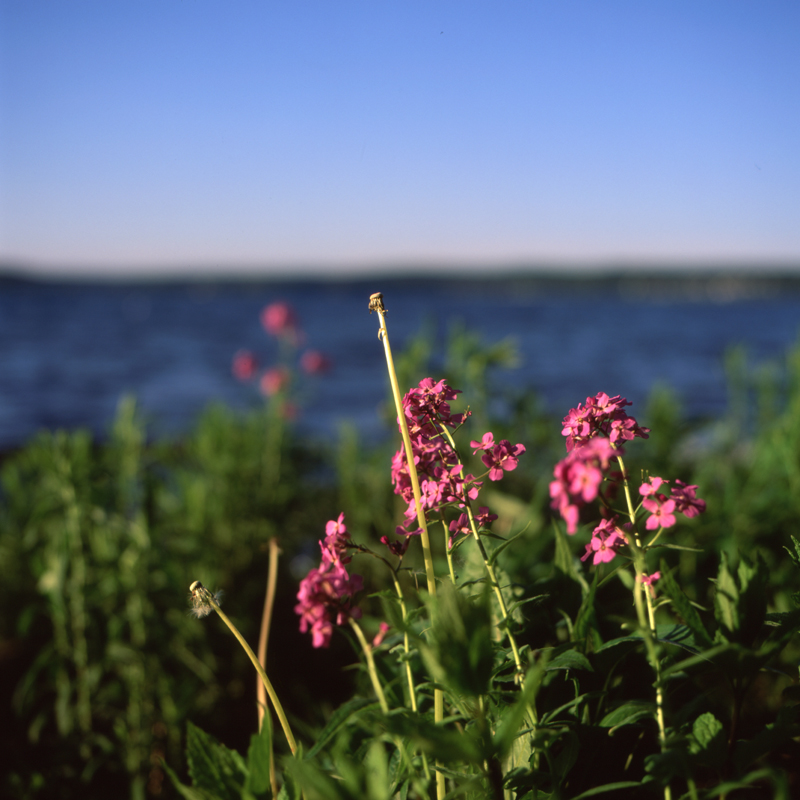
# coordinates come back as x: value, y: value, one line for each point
x: 376, y: 304
x: 209, y: 598
x: 647, y: 621
x: 373, y: 673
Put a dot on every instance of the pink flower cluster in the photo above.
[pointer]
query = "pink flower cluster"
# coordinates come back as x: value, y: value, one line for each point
x: 607, y: 538
x: 441, y: 473
x: 577, y: 478
x: 280, y: 320
x: 427, y: 411
x: 683, y: 499
x: 602, y: 415
x: 326, y: 594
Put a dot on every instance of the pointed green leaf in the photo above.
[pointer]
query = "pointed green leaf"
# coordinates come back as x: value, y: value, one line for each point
x: 337, y: 720
x: 680, y: 602
x: 258, y: 760
x: 214, y: 768
x: 569, y: 659
x: 628, y: 713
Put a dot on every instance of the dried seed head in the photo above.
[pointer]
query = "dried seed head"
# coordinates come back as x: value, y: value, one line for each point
x: 376, y: 303
x: 199, y: 597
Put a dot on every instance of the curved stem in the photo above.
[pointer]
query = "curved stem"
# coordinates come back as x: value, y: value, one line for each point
x: 373, y: 673
x: 287, y: 730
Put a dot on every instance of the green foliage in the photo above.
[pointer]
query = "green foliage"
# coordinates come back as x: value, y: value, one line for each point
x: 111, y: 682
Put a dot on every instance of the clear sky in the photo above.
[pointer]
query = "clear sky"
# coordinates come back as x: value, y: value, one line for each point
x: 145, y: 134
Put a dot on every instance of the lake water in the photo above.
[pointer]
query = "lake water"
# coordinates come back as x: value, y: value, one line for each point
x: 69, y: 351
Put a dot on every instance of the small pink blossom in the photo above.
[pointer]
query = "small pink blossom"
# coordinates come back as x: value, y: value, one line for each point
x: 460, y: 525
x: 279, y: 319
x: 661, y: 512
x: 486, y: 443
x: 313, y: 362
x: 503, y: 456
x: 649, y: 580
x: 383, y: 629
x: 601, y: 415
x: 686, y: 500
x: 606, y: 540
x: 244, y: 365
x: 274, y: 380
x: 649, y: 488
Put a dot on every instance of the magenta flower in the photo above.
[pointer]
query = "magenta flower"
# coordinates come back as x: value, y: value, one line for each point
x: 324, y: 599
x: 337, y: 540
x: 279, y: 319
x: 383, y: 629
x: 274, y: 380
x: 602, y: 415
x: 398, y: 548
x: 503, y: 456
x: 244, y: 365
x: 313, y: 362
x: 686, y: 500
x: 460, y: 525
x: 326, y: 594
x: 483, y: 517
x: 486, y: 443
x: 603, y: 549
x: 649, y: 488
x: 578, y: 478
x: 661, y: 512
x: 427, y: 411
x: 649, y: 580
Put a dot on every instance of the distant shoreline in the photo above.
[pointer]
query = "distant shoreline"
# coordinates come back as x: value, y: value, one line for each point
x: 700, y: 283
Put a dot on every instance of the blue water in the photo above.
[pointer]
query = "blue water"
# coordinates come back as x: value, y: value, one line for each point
x: 69, y: 351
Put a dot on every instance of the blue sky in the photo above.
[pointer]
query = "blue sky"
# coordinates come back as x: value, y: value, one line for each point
x: 197, y: 134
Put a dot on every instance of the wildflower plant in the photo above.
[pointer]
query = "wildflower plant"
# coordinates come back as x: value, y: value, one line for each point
x: 480, y: 685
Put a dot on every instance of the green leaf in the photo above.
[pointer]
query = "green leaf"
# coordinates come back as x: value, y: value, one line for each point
x: 680, y: 602
x: 258, y: 760
x: 628, y: 714
x: 795, y: 556
x: 585, y: 622
x: 705, y: 730
x: 214, y: 768
x: 506, y: 542
x: 187, y: 792
x: 569, y: 659
x: 726, y: 599
x: 337, y: 720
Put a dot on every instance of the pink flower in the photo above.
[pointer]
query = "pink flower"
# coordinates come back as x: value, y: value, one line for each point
x: 602, y: 415
x: 313, y: 362
x: 649, y: 488
x: 578, y: 478
x: 607, y: 538
x: 325, y: 597
x: 460, y: 525
x: 279, y: 319
x: 398, y: 548
x: 334, y: 547
x: 486, y: 443
x: 649, y: 580
x: 503, y: 456
x: 383, y: 629
x: 326, y: 594
x: 274, y: 380
x: 483, y: 517
x: 661, y: 512
x: 244, y: 365
x: 686, y: 500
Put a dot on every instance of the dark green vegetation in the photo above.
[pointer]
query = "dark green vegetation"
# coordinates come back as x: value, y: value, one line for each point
x: 105, y: 673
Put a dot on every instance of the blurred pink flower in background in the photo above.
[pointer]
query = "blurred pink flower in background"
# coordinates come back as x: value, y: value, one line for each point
x: 274, y: 380
x: 279, y: 319
x: 244, y: 365
x: 313, y: 362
